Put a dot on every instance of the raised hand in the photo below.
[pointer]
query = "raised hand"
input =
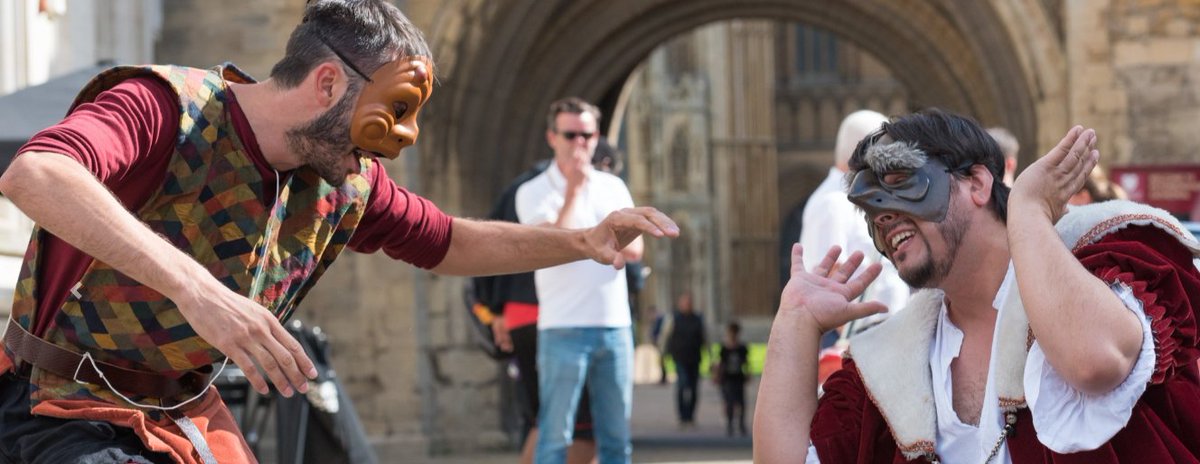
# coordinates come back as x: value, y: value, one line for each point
x: 605, y: 241
x: 812, y: 302
x: 1046, y: 185
x: 576, y: 173
x: 826, y: 294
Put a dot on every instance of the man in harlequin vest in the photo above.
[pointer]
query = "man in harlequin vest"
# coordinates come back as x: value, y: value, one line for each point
x: 1039, y: 335
x: 184, y: 213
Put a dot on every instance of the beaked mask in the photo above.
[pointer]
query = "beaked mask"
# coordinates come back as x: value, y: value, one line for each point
x: 902, y: 179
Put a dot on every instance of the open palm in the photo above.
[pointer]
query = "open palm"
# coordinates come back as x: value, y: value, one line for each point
x: 827, y: 294
x: 605, y: 241
x: 1046, y: 185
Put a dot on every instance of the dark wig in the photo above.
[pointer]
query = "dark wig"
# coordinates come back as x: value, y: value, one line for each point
x: 955, y: 140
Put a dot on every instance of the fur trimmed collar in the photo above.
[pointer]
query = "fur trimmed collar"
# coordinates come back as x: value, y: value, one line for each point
x: 893, y: 357
x: 1085, y: 225
x: 893, y: 361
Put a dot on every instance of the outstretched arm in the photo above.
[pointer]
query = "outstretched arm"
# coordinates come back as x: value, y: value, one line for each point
x: 1086, y: 332
x: 82, y: 212
x: 494, y: 247
x: 811, y: 303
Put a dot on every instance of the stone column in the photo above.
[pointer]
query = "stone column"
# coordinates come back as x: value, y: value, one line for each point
x: 744, y: 153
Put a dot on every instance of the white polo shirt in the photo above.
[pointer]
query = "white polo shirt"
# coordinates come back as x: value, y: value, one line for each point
x: 583, y: 293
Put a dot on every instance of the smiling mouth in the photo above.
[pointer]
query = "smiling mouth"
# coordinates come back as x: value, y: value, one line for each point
x: 900, y: 238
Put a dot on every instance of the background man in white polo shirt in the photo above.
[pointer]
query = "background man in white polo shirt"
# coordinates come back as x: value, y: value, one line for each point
x: 584, y: 326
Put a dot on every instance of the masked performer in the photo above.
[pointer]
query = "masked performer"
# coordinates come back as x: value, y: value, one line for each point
x: 1039, y: 335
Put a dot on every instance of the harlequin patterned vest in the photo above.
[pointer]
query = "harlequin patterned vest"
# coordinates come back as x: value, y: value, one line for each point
x: 210, y: 206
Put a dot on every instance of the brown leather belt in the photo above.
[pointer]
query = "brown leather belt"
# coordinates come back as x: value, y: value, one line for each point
x: 64, y: 363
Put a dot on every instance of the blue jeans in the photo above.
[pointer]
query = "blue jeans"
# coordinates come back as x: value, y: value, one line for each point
x: 568, y: 357
x: 687, y: 391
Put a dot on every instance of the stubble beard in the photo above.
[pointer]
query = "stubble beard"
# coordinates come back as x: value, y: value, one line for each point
x: 324, y: 143
x: 931, y: 272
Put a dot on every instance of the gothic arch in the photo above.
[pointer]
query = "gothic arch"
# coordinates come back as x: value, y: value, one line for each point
x: 501, y: 63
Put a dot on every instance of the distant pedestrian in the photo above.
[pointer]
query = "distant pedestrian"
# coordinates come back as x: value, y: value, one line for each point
x: 584, y: 326
x: 512, y: 300
x: 685, y: 342
x: 730, y: 373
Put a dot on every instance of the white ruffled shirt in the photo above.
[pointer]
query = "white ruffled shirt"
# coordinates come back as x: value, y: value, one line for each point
x: 1066, y: 419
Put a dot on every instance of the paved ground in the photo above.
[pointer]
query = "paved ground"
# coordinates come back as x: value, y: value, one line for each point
x: 657, y: 437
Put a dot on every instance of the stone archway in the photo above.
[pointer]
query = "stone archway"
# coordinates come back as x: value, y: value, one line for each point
x: 501, y: 65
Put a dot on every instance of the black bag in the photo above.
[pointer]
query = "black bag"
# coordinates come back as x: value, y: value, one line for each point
x: 321, y: 426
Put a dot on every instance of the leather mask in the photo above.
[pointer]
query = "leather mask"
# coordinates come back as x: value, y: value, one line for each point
x: 385, y: 115
x: 901, y: 180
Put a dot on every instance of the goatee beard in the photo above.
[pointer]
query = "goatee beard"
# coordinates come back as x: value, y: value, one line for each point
x: 931, y: 272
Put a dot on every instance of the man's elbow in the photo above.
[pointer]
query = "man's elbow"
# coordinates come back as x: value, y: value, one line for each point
x: 6, y: 184
x: 22, y: 173
x: 1099, y: 377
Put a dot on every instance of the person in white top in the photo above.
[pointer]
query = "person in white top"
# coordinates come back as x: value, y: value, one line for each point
x: 831, y: 220
x: 1040, y: 334
x: 584, y: 326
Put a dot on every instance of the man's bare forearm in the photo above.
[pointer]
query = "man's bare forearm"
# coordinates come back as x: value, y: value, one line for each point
x: 1086, y: 332
x: 62, y: 197
x: 787, y: 391
x: 498, y: 247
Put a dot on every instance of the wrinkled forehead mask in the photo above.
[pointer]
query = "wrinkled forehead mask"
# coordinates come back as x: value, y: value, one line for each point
x: 900, y: 178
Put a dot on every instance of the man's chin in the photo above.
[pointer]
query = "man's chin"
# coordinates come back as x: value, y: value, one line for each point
x: 920, y: 277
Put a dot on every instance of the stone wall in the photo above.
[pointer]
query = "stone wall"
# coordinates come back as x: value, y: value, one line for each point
x: 205, y: 33
x: 1134, y: 73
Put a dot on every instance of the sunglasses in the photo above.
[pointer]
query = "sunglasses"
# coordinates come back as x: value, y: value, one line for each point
x: 570, y: 135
